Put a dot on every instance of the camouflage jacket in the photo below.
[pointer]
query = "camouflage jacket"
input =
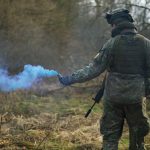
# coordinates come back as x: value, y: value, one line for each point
x: 119, y: 87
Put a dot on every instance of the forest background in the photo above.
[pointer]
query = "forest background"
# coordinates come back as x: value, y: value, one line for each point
x: 63, y: 35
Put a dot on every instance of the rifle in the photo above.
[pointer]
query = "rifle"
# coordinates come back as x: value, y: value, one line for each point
x: 98, y: 97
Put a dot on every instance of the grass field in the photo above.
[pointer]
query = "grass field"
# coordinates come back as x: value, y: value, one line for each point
x: 52, y: 122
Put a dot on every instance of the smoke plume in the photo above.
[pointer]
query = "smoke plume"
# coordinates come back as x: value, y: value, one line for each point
x: 25, y: 79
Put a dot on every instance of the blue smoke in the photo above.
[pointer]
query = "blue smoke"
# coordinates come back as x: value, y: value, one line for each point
x: 25, y: 79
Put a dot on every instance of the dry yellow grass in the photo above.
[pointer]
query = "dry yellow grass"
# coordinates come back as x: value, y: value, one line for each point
x: 55, y: 122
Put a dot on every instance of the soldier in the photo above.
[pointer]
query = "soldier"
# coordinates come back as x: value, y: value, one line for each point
x: 126, y: 57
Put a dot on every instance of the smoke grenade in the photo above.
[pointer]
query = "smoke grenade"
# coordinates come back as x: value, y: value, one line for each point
x: 24, y: 80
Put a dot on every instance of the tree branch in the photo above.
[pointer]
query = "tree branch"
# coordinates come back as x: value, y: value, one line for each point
x: 135, y: 5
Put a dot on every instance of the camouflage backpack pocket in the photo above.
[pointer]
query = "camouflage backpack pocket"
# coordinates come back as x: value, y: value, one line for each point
x: 124, y: 88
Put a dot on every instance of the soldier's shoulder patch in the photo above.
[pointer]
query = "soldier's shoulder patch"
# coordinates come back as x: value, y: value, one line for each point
x: 97, y: 56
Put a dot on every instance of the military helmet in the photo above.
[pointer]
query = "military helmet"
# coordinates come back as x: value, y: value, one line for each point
x: 118, y: 14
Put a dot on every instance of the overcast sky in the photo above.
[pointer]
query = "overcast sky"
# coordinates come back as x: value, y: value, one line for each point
x: 141, y: 2
x: 135, y: 11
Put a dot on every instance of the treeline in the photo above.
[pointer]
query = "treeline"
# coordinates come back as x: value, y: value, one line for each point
x: 59, y: 34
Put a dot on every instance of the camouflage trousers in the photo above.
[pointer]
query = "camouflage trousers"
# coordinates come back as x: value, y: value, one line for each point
x: 112, y: 121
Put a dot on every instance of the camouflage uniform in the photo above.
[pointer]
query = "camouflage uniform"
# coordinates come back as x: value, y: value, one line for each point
x: 126, y: 57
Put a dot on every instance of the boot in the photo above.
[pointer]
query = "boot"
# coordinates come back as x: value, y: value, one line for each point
x: 140, y: 143
x: 136, y: 142
x: 142, y: 147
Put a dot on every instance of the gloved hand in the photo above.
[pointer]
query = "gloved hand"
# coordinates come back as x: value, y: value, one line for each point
x: 65, y: 80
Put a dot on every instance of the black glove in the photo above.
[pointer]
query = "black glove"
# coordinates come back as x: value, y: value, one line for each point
x: 65, y: 80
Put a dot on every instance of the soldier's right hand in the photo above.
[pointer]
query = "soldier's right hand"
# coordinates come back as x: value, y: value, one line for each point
x: 65, y: 80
